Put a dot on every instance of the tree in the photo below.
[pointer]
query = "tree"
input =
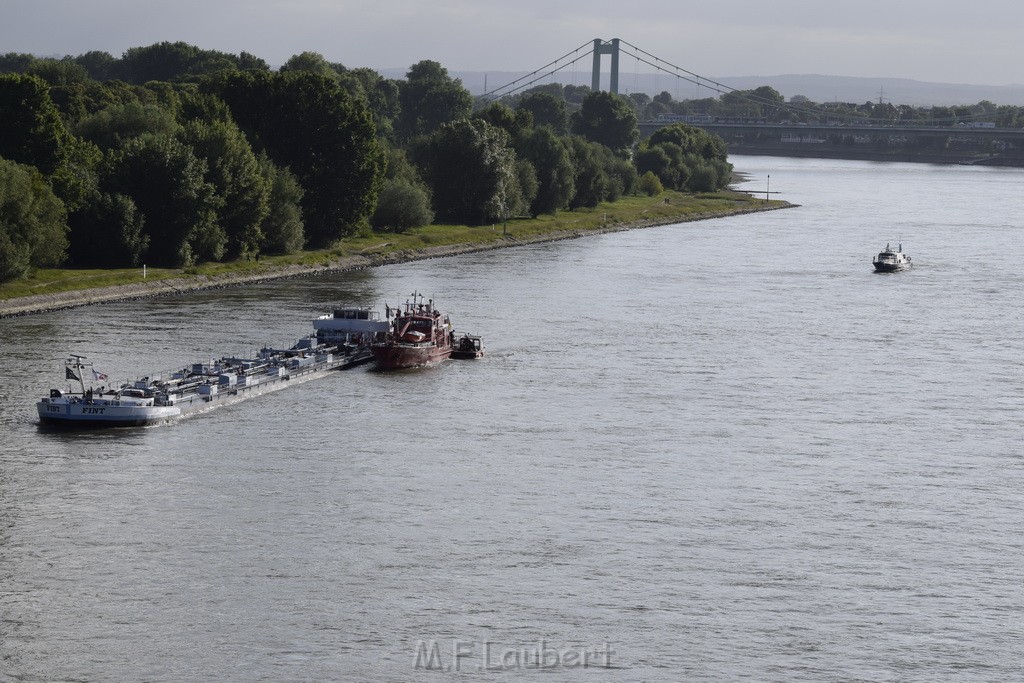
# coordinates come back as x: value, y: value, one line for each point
x: 381, y: 97
x: 282, y: 228
x: 120, y: 123
x: 98, y: 64
x: 310, y: 61
x: 516, y: 123
x: 526, y: 175
x: 58, y: 72
x: 428, y: 99
x: 248, y: 62
x: 622, y: 176
x: 641, y: 102
x: 15, y: 62
x: 590, y: 179
x: 33, y: 133
x: 675, y: 154
x: 232, y: 169
x: 641, y: 99
x: 609, y: 120
x: 402, y: 205
x: 547, y: 110
x: 325, y: 136
x: 691, y: 140
x: 553, y: 167
x: 471, y: 172
x: 704, y: 177
x: 397, y: 167
x: 108, y: 233
x: 166, y: 181
x: 656, y: 160
x: 33, y: 226
x: 650, y: 185
x: 168, y: 61
x: 763, y: 101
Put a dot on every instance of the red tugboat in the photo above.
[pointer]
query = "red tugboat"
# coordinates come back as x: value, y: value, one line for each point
x: 419, y: 336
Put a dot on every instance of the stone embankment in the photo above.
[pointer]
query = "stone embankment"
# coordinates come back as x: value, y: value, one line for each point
x: 179, y: 285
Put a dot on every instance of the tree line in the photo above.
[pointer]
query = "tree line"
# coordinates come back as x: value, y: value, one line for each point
x: 767, y: 103
x: 172, y: 155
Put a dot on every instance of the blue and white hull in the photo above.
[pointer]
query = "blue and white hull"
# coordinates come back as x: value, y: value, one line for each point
x: 201, y: 387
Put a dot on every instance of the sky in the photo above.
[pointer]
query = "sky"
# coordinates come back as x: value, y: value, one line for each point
x: 943, y: 42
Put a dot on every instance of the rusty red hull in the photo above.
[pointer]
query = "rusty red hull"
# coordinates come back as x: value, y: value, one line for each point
x: 394, y: 356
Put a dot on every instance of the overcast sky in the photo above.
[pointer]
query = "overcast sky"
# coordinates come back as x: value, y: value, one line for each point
x: 948, y: 42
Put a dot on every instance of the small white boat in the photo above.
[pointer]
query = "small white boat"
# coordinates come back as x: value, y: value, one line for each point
x: 889, y: 261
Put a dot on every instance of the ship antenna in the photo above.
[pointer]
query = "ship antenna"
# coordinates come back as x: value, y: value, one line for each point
x: 78, y: 365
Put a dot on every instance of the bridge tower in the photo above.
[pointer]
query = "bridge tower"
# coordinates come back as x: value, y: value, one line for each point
x: 606, y: 48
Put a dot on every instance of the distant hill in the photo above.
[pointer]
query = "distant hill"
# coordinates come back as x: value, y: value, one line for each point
x: 815, y: 87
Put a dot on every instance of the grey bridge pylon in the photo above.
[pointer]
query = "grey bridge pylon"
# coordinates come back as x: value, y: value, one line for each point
x: 610, y: 47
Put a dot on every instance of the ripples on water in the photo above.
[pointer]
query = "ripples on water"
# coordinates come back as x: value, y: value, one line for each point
x: 726, y: 448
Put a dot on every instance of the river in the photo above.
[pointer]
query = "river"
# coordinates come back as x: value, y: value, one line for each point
x: 718, y: 450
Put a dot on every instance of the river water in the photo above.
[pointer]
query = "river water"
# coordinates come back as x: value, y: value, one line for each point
x: 719, y: 450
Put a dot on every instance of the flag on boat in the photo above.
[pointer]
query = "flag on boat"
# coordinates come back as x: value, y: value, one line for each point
x: 70, y: 374
x: 97, y: 376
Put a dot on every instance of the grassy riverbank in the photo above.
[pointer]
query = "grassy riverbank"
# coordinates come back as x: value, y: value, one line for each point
x: 61, y: 288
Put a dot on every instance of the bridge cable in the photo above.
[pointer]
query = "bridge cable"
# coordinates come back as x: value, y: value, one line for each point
x: 722, y: 89
x: 530, y: 82
x: 725, y: 89
x: 507, y: 85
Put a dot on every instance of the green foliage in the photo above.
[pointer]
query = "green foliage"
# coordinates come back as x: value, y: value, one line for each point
x: 108, y: 233
x: 685, y: 158
x: 313, y: 62
x: 526, y: 175
x: 99, y: 65
x: 704, y: 178
x: 622, y: 175
x: 282, y: 228
x: 58, y: 72
x: 691, y: 140
x: 33, y: 133
x: 203, y: 107
x: 471, y: 172
x: 650, y: 185
x: 402, y: 205
x: 381, y: 96
x: 404, y: 201
x: 590, y: 179
x: 660, y: 162
x: 31, y: 129
x: 323, y: 134
x: 397, y: 167
x: 762, y: 101
x: 33, y: 226
x: 119, y: 123
x: 429, y: 98
x: 170, y: 61
x: 166, y: 181
x: 248, y: 62
x: 232, y: 169
x: 15, y: 62
x: 547, y: 110
x: 553, y: 167
x: 608, y: 120
x: 516, y: 123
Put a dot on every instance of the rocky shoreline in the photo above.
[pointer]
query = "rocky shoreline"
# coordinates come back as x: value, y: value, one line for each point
x: 171, y: 286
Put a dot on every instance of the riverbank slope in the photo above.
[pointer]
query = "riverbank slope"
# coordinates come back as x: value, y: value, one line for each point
x: 57, y: 289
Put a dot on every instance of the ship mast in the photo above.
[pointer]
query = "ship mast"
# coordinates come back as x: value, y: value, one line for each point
x: 76, y: 363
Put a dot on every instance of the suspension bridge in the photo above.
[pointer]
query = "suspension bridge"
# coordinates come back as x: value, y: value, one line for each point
x: 848, y: 126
